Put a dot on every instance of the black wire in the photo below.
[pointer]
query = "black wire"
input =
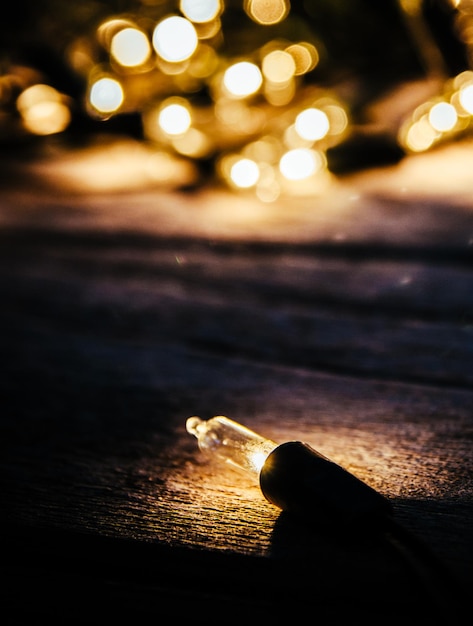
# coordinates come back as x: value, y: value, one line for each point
x: 445, y: 593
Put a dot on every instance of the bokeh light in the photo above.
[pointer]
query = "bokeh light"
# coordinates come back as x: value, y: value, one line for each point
x: 267, y: 12
x: 106, y: 95
x: 278, y: 66
x: 175, y: 39
x: 110, y: 27
x: 305, y: 57
x: 43, y: 110
x: 204, y: 78
x: 130, y: 47
x: 312, y: 124
x: 200, y: 11
x: 244, y: 173
x: 466, y: 98
x: 337, y: 117
x: 300, y: 163
x: 192, y: 143
x: 420, y: 135
x: 242, y: 79
x: 174, y: 118
x: 442, y: 116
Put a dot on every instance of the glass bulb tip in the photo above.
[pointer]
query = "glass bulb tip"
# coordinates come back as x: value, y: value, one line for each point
x: 192, y: 425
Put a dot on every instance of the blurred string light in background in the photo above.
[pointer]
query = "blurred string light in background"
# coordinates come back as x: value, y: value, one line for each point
x: 448, y: 114
x: 232, y: 84
x: 440, y: 119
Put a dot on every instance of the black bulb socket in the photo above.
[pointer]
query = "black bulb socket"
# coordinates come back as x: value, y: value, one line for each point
x: 298, y: 479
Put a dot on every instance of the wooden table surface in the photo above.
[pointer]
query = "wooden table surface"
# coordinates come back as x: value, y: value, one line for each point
x: 343, y: 319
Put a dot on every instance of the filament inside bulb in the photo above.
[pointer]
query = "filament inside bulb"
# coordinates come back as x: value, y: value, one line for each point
x: 222, y: 438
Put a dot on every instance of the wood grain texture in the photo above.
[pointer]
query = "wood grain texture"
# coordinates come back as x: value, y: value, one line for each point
x: 122, y: 316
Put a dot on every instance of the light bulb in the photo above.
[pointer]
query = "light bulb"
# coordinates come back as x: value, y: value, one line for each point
x: 292, y: 475
x: 231, y: 442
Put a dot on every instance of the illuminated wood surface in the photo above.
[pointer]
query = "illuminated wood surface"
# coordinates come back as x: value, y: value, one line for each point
x: 343, y: 320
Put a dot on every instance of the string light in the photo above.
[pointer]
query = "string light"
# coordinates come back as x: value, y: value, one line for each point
x: 298, y: 479
x: 133, y: 63
x: 159, y: 67
x: 293, y: 476
x: 442, y: 118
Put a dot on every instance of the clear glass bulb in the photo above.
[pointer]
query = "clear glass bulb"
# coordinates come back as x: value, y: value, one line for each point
x: 231, y: 442
x: 292, y: 475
